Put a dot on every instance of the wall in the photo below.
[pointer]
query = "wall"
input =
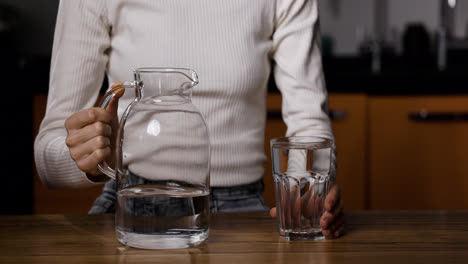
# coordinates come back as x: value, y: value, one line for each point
x: 402, y: 12
x: 461, y: 19
x: 36, y: 26
x: 347, y: 21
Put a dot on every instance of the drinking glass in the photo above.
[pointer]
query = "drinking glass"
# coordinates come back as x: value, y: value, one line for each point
x: 301, y: 171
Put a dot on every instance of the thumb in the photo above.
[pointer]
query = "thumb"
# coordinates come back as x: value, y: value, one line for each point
x: 273, y: 212
x: 118, y: 91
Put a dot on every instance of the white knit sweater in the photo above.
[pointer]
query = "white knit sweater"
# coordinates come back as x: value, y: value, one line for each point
x: 231, y: 44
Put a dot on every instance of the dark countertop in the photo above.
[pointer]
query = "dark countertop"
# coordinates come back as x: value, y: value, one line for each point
x: 398, y: 76
x: 343, y: 75
x: 399, y: 82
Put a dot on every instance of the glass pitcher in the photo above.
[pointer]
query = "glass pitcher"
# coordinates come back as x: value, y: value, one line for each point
x: 162, y: 162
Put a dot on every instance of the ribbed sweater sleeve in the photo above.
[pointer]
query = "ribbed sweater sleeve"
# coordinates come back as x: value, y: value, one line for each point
x: 298, y: 70
x: 77, y: 70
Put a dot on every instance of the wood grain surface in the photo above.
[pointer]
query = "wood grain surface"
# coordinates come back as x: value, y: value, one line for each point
x: 417, y: 164
x: 372, y: 237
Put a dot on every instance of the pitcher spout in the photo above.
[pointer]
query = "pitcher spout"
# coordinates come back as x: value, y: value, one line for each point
x: 157, y: 82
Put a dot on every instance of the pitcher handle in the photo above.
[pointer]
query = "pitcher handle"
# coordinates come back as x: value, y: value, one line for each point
x: 105, y: 101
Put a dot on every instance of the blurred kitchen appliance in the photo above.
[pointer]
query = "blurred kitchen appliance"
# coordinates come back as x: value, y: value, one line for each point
x: 416, y: 44
x: 447, y: 41
x: 447, y: 16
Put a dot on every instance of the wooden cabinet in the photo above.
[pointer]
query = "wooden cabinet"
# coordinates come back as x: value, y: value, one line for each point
x: 418, y: 152
x: 348, y: 113
x: 394, y: 152
x: 349, y: 121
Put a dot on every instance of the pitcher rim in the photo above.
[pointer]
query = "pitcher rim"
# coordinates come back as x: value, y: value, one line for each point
x: 193, y: 75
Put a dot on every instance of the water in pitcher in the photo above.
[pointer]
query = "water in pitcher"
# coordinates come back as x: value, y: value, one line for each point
x: 162, y: 217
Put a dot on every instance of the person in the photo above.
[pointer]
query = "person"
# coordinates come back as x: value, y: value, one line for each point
x: 233, y: 45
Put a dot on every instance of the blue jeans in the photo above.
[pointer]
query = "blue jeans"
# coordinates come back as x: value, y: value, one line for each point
x: 245, y: 198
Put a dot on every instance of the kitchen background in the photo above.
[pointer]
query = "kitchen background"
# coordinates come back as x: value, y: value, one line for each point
x: 397, y: 75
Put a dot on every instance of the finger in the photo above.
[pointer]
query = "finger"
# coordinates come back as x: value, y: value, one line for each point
x: 287, y: 203
x: 329, y: 218
x: 82, y: 150
x: 295, y: 203
x: 325, y: 220
x: 87, y: 117
x: 314, y: 201
x: 338, y: 208
x: 273, y: 212
x: 327, y: 234
x: 335, y: 230
x: 339, y: 231
x: 116, y: 84
x: 334, y: 195
x: 87, y: 133
x: 307, y: 202
x: 339, y: 220
x: 284, y: 211
x: 117, y: 90
x: 90, y: 162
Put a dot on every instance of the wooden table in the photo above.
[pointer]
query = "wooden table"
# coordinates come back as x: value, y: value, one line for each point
x: 372, y: 237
